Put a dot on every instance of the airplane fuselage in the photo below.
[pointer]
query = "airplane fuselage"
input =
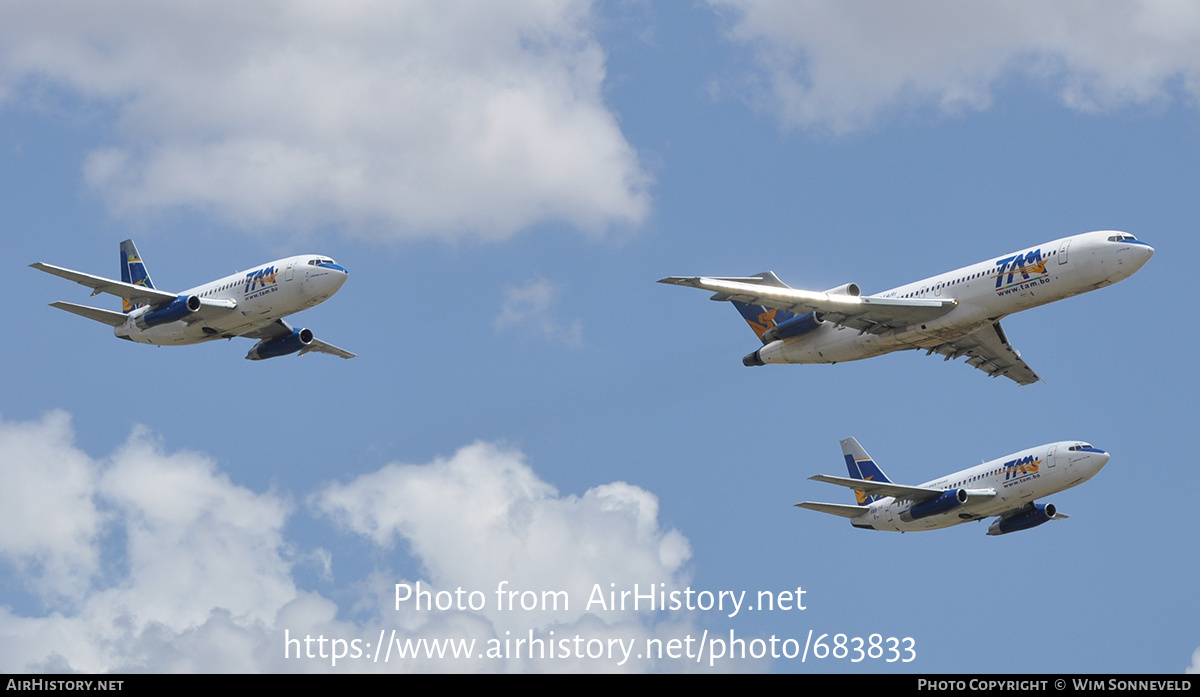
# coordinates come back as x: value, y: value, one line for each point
x: 984, y: 293
x: 993, y: 488
x: 258, y: 296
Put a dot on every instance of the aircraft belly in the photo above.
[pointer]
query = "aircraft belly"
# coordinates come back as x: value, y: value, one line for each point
x: 171, y: 334
x: 830, y: 344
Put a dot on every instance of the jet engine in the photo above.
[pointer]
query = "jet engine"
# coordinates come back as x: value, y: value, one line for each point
x: 800, y: 324
x: 173, y: 311
x: 298, y: 339
x: 1035, y: 516
x: 803, y: 324
x: 850, y: 289
x: 949, y: 500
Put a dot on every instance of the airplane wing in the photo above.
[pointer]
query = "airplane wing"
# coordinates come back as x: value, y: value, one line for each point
x: 279, y: 329
x: 834, y: 508
x: 988, y: 350
x: 867, y: 314
x: 322, y: 347
x: 899, y: 491
x: 138, y: 294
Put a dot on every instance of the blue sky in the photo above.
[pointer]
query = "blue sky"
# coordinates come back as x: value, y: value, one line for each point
x: 505, y: 185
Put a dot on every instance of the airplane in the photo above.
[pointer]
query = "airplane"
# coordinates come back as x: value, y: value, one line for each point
x: 954, y: 314
x: 1004, y: 487
x: 251, y: 304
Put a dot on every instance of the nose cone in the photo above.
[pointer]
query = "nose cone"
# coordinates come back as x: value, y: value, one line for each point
x: 1142, y: 252
x: 333, y: 281
x: 1096, y: 460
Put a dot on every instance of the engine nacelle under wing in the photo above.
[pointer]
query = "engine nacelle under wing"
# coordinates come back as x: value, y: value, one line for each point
x: 1040, y: 513
x: 948, y: 501
x: 173, y: 311
x: 298, y: 339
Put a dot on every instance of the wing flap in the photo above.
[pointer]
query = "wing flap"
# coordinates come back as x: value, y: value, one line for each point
x: 898, y: 491
x: 138, y: 294
x: 868, y: 314
x: 988, y: 350
x: 322, y: 347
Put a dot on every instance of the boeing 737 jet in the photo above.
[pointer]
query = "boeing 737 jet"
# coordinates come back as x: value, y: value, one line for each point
x: 1005, y: 487
x: 250, y: 304
x: 954, y: 314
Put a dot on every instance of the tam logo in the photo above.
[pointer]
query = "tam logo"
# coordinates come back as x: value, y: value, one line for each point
x: 260, y: 279
x: 1029, y: 266
x: 1020, y: 468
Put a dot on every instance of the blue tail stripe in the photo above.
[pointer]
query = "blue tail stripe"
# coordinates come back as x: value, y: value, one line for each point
x: 762, y: 318
x: 852, y: 466
x: 133, y: 271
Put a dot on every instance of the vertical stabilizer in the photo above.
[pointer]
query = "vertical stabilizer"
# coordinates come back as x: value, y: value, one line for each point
x: 861, y: 466
x: 133, y: 270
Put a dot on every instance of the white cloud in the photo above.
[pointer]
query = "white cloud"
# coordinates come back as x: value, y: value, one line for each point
x: 203, y: 578
x: 402, y: 119
x: 483, y: 517
x: 1194, y: 668
x: 532, y: 305
x: 48, y: 521
x: 841, y: 64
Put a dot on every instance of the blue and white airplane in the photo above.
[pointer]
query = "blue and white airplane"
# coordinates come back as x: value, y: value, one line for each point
x: 250, y: 304
x: 1005, y: 487
x: 954, y: 314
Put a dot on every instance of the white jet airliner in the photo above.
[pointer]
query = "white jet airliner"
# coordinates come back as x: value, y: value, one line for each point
x: 1005, y: 487
x: 250, y: 304
x: 954, y: 314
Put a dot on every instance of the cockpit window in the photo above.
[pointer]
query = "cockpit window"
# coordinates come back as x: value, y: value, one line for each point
x: 1121, y: 237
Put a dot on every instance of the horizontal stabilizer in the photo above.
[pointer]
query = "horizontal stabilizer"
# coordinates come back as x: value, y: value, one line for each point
x: 834, y: 508
x: 108, y: 317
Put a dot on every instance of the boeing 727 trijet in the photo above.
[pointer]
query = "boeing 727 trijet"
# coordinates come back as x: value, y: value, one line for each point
x: 1005, y: 487
x: 250, y: 304
x: 954, y: 314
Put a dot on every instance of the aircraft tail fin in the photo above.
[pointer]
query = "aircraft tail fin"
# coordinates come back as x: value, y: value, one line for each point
x: 861, y: 466
x: 758, y: 317
x: 133, y: 270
